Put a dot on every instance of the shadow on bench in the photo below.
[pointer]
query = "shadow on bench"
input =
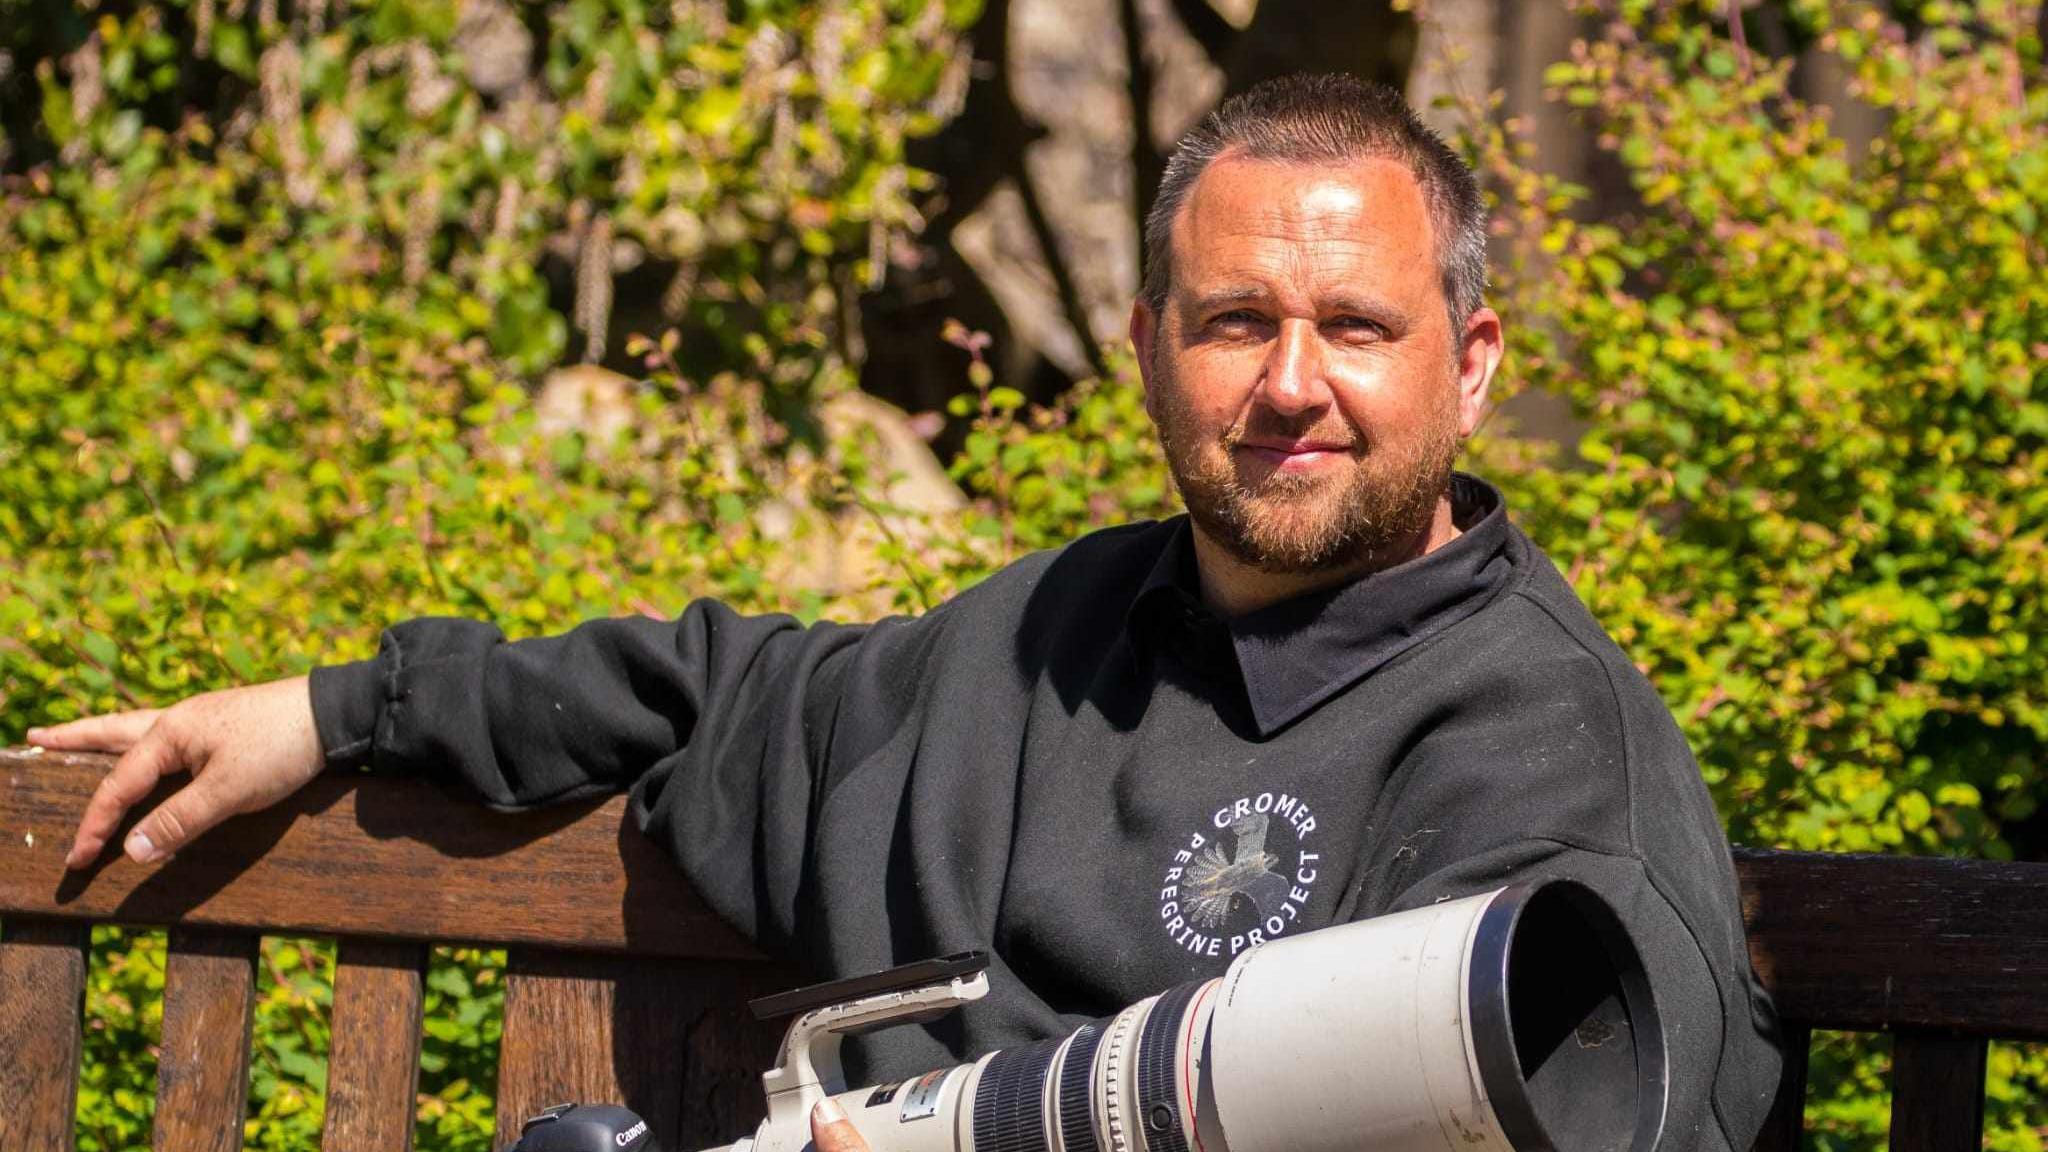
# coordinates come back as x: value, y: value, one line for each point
x: 620, y: 985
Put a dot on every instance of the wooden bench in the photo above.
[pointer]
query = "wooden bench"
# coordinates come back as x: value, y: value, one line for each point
x: 621, y: 986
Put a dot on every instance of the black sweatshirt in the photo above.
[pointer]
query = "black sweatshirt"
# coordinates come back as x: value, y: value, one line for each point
x: 1076, y: 766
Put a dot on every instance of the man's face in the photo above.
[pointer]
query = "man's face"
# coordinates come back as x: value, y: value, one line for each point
x: 1307, y: 387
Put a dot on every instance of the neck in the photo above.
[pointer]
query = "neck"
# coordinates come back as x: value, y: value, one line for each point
x: 1231, y: 587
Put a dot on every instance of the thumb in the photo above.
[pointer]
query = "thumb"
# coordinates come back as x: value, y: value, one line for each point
x: 831, y: 1131
x: 188, y: 812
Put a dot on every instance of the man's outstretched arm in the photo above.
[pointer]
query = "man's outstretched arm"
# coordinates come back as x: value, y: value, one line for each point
x: 520, y: 723
x: 586, y: 712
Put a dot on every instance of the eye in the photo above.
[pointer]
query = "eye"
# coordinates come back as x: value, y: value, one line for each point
x: 1237, y: 322
x: 1356, y: 329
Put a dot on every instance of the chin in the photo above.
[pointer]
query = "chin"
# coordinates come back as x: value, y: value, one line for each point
x: 1315, y: 521
x: 1292, y: 537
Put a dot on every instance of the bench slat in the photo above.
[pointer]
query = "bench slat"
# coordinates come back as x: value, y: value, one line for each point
x: 1937, y: 1093
x: 203, y: 1072
x: 1877, y: 943
x: 373, y: 1066
x: 556, y: 1047
x: 1858, y: 943
x: 400, y: 859
x: 42, y: 989
x: 650, y: 1034
x: 1784, y: 1129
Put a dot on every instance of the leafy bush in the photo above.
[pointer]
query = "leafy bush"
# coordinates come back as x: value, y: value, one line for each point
x: 1813, y: 502
x: 266, y: 370
x: 266, y: 381
x: 1815, y: 509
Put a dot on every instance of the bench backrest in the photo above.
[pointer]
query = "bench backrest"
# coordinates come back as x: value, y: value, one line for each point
x: 621, y: 986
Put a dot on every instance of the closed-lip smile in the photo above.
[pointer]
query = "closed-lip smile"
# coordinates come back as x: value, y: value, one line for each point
x: 1299, y: 452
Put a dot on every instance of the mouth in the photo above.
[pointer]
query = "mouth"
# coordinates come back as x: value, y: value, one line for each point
x: 1293, y: 455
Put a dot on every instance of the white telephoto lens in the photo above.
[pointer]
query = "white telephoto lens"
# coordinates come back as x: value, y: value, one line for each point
x: 1516, y: 1020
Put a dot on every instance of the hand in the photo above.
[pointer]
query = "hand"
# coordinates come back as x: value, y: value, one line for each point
x: 246, y: 748
x: 831, y: 1131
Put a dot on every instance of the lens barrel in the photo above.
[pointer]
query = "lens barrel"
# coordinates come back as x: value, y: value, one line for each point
x: 1521, y: 1019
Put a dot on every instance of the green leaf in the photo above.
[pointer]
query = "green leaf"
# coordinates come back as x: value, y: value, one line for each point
x: 101, y: 648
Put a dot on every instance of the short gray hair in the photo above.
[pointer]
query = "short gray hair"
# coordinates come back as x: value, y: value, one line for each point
x: 1322, y: 119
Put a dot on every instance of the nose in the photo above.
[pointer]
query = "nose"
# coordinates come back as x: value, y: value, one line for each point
x: 1294, y: 380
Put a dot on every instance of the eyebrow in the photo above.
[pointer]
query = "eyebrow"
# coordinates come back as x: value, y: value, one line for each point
x: 1223, y: 297
x: 1346, y: 303
x: 1370, y: 307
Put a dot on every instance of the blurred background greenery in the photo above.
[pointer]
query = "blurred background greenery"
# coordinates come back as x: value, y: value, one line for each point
x: 315, y: 316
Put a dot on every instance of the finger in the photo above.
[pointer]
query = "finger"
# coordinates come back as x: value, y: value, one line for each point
x: 133, y: 775
x: 831, y: 1131
x: 116, y: 732
x: 188, y: 812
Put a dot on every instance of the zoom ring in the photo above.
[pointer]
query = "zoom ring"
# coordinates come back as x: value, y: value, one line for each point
x: 1158, y: 1103
x: 1009, y: 1103
x: 1077, y: 1091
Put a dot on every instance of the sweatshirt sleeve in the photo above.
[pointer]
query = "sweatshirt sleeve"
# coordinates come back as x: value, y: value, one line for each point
x: 1548, y: 772
x: 723, y: 715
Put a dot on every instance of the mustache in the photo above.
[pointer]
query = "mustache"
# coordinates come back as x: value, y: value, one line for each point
x: 1269, y: 425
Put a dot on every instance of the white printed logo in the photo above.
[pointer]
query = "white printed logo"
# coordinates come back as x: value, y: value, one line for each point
x: 630, y: 1134
x: 1244, y: 883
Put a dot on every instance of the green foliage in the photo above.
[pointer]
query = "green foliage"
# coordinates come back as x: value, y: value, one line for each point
x: 267, y: 376
x: 124, y: 1016
x: 288, y: 1071
x: 1814, y: 508
x: 1813, y: 500
x: 1047, y: 475
x: 463, y: 1018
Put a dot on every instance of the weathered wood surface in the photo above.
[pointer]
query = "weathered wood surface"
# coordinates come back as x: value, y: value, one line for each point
x: 373, y: 1067
x: 1937, y: 1093
x: 42, y: 984
x: 400, y: 859
x: 670, y: 1039
x: 202, y: 1068
x: 1878, y: 943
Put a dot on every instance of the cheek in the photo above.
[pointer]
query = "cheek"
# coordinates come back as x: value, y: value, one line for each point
x: 1391, y: 396
x: 1213, y: 384
x: 1371, y: 398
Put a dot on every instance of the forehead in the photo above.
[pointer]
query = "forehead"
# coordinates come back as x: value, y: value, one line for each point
x: 1305, y: 227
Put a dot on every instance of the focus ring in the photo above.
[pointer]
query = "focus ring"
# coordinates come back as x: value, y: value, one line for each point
x: 1116, y: 1053
x: 1009, y: 1102
x: 1077, y: 1084
x: 1158, y: 1103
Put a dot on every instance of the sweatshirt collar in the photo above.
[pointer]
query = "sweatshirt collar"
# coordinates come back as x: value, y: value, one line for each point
x: 1298, y: 653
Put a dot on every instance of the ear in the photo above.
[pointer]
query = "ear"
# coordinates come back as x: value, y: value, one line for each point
x: 1144, y: 334
x: 1479, y: 353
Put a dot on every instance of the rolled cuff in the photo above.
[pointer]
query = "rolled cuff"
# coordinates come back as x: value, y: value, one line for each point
x: 347, y: 699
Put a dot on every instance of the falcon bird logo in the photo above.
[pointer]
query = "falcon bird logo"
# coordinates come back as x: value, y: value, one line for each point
x: 1216, y: 879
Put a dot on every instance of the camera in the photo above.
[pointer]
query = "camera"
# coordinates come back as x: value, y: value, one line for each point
x: 585, y: 1128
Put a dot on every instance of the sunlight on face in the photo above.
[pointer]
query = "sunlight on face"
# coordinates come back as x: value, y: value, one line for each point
x: 1303, y: 373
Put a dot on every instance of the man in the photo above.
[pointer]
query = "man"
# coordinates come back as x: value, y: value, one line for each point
x: 1344, y: 684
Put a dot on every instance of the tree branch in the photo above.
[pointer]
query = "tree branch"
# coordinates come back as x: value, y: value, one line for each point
x: 1056, y: 262
x: 1207, y: 26
x: 1147, y: 165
